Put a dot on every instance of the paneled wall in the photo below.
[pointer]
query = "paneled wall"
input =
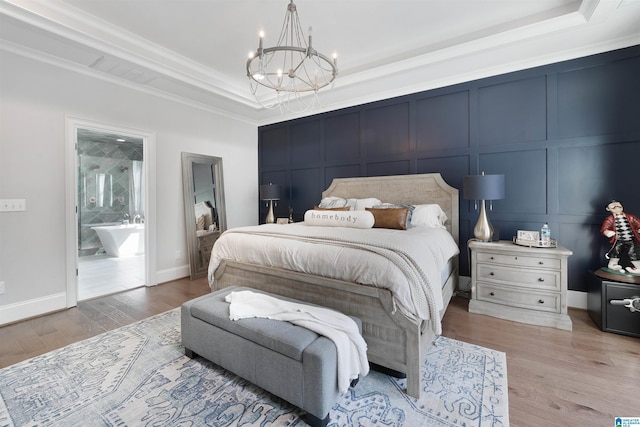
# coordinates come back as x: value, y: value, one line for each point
x: 566, y: 136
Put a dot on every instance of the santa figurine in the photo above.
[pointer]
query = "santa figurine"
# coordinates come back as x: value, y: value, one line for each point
x: 623, y: 231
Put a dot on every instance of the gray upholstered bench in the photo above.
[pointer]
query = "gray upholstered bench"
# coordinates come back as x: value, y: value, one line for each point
x: 288, y: 361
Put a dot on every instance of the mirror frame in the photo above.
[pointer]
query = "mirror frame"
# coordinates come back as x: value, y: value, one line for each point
x: 188, y: 159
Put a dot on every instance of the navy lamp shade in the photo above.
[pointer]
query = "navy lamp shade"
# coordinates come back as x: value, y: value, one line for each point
x: 270, y: 192
x: 483, y: 187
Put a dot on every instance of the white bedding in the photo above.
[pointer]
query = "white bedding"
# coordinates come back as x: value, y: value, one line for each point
x: 297, y: 250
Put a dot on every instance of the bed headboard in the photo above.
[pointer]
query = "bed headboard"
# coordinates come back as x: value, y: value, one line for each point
x: 203, y: 208
x: 403, y: 189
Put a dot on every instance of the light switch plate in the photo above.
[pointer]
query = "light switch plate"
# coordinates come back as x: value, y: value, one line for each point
x: 13, y: 205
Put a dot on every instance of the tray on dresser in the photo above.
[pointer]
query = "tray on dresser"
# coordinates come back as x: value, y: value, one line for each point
x: 552, y: 243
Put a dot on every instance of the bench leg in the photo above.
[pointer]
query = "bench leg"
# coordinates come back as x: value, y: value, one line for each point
x: 189, y: 353
x: 314, y: 421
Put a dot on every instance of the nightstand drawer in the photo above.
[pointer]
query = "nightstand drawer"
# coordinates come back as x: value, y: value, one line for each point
x: 519, y: 260
x: 535, y: 279
x: 208, y: 239
x: 206, y: 251
x: 539, y: 301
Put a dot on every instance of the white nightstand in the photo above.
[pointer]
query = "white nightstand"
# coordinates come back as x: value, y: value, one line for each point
x: 519, y: 283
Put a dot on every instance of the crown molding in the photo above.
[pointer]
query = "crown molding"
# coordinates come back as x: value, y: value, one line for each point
x: 74, y: 25
x: 461, y: 77
x: 55, y: 61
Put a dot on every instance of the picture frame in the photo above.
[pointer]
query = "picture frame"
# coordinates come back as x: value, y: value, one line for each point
x: 529, y: 236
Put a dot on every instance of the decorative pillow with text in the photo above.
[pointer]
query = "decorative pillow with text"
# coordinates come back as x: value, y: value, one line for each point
x: 352, y: 219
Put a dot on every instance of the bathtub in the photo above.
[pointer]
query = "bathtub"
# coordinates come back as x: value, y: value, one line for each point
x: 122, y: 240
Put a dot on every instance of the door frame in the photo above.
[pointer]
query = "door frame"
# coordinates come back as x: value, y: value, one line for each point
x: 72, y: 124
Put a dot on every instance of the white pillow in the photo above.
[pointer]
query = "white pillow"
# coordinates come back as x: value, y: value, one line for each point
x: 200, y: 222
x: 336, y: 202
x: 428, y: 216
x: 351, y: 219
x: 362, y: 204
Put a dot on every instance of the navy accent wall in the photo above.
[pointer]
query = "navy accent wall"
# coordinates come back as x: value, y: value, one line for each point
x: 566, y: 136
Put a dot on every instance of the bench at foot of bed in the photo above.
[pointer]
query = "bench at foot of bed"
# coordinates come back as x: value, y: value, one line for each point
x: 289, y: 361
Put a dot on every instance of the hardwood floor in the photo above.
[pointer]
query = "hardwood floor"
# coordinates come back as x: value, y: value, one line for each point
x: 582, y: 378
x: 557, y: 378
x: 39, y: 335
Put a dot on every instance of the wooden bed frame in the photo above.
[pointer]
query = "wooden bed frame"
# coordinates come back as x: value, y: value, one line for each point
x: 394, y: 341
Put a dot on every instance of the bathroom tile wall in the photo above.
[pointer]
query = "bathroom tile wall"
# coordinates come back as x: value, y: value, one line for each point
x: 111, y: 164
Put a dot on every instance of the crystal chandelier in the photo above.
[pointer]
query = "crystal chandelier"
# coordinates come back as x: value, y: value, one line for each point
x: 290, y: 74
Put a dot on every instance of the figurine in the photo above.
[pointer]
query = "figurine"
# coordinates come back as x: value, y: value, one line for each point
x: 623, y: 231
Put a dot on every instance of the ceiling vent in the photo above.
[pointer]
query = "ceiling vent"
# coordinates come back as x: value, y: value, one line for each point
x: 122, y: 70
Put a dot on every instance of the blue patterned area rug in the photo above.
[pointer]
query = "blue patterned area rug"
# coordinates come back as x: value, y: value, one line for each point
x: 138, y: 375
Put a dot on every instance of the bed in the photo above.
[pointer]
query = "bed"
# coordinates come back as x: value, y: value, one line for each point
x: 396, y: 340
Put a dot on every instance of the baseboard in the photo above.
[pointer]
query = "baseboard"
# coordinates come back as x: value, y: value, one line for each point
x: 32, y: 308
x: 37, y: 307
x: 464, y: 284
x: 170, y: 274
x: 577, y: 299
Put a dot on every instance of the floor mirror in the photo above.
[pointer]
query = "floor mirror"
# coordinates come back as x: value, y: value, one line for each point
x: 204, y: 210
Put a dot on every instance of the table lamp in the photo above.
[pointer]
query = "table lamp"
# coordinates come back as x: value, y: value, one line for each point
x: 483, y: 187
x: 270, y: 192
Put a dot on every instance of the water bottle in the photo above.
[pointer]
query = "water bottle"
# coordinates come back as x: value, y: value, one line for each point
x: 545, y: 235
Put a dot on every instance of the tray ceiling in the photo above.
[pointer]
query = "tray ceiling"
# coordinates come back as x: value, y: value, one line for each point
x: 194, y: 51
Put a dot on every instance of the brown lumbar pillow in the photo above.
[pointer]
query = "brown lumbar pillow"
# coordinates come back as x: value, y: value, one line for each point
x: 395, y: 218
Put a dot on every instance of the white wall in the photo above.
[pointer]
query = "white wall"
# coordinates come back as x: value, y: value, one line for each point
x: 35, y: 98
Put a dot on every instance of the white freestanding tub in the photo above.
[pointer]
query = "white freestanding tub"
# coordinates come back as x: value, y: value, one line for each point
x: 122, y: 240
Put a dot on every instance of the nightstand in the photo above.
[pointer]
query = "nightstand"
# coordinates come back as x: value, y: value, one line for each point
x: 601, y: 290
x: 205, y: 245
x: 520, y: 283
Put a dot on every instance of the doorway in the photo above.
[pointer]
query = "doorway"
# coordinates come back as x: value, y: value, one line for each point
x: 111, y: 215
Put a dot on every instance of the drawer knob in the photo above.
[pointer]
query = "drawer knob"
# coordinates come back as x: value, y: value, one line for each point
x: 540, y: 262
x: 516, y: 257
x: 541, y: 301
x: 492, y: 258
x: 540, y: 279
x: 491, y: 293
x: 491, y: 274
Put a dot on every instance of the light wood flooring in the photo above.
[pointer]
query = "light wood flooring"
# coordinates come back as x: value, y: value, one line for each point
x: 556, y: 378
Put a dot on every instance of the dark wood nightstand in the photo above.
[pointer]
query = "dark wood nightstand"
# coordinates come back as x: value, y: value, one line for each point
x: 612, y: 318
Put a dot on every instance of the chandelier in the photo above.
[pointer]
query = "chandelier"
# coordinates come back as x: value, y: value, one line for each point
x: 291, y: 73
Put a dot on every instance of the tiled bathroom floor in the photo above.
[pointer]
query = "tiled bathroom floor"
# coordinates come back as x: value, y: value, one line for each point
x: 100, y: 275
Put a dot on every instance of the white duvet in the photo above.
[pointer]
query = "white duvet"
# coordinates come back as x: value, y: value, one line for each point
x: 407, y: 262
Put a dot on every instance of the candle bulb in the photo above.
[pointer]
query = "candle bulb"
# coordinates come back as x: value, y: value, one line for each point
x: 335, y: 59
